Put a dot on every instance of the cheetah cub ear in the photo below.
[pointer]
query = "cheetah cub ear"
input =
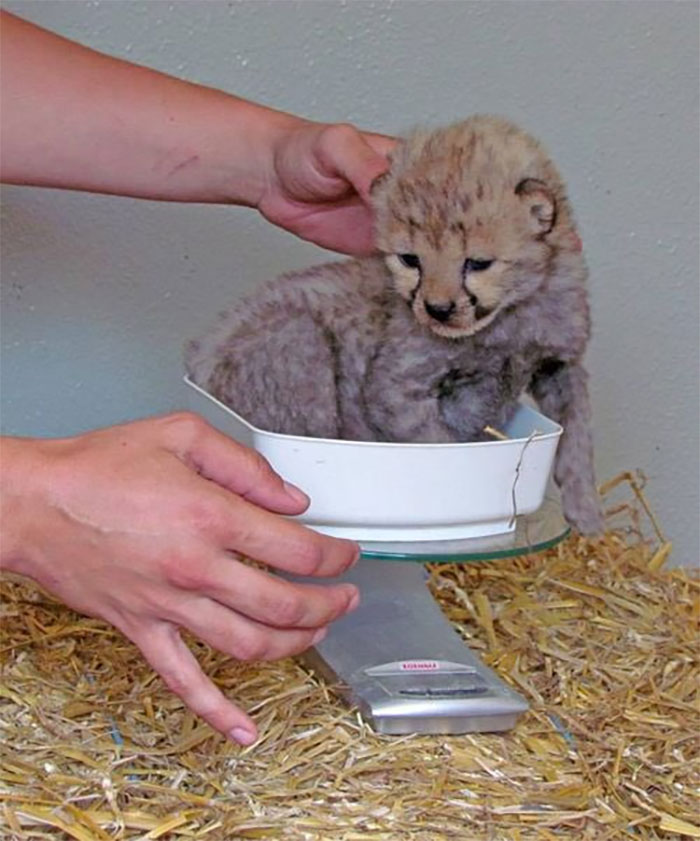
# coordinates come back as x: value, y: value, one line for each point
x: 377, y: 183
x: 381, y: 180
x: 539, y: 200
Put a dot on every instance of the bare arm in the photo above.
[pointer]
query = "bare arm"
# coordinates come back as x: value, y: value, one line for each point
x: 74, y: 118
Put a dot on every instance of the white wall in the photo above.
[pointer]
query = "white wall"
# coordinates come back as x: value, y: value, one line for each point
x: 99, y: 292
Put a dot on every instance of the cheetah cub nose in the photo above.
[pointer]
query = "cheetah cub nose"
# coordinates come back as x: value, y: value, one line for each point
x: 440, y: 312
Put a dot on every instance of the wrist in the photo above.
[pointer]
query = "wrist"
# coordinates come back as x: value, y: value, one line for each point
x: 260, y: 134
x: 20, y: 465
x: 223, y: 150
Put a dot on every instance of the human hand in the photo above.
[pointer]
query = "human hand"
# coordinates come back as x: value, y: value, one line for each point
x: 141, y: 525
x: 319, y: 186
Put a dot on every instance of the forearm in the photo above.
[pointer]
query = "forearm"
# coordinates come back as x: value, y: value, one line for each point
x: 77, y: 119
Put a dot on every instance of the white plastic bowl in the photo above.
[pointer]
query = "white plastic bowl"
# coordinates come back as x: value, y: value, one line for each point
x: 374, y: 491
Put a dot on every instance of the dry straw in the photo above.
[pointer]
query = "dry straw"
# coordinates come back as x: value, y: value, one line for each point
x: 599, y: 637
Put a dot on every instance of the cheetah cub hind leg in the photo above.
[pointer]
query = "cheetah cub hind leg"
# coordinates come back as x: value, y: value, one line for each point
x: 278, y: 375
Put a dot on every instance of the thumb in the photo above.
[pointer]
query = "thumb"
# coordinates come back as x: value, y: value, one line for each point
x: 344, y: 151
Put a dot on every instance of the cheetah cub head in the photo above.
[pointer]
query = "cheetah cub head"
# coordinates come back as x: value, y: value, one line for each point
x: 472, y: 219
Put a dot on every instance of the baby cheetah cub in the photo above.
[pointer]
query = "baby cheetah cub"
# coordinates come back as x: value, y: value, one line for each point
x: 478, y: 296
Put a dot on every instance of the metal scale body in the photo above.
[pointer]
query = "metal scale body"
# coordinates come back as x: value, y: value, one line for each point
x: 398, y: 658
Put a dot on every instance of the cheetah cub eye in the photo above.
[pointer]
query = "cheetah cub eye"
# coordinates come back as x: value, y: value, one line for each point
x: 473, y: 265
x: 411, y: 261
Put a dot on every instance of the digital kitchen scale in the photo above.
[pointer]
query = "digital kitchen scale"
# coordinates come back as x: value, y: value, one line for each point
x: 397, y: 657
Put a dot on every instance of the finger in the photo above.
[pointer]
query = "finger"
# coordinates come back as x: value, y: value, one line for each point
x: 381, y: 143
x: 242, y: 527
x: 344, y: 151
x: 163, y: 648
x: 240, y: 637
x: 262, y: 597
x: 228, y: 463
x: 239, y: 523
x: 344, y: 226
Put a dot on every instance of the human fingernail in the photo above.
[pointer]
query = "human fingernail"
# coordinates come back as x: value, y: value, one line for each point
x: 355, y: 557
x: 319, y: 635
x: 296, y: 493
x: 354, y: 601
x: 242, y: 736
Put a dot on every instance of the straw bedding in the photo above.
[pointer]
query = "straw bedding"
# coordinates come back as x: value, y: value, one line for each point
x: 596, y: 634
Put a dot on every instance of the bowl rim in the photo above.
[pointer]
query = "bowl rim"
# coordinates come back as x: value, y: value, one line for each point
x: 454, y: 445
